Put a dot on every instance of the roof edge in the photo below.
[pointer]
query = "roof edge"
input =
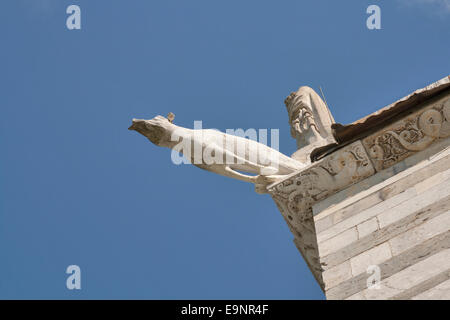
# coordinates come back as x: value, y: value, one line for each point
x: 345, y: 133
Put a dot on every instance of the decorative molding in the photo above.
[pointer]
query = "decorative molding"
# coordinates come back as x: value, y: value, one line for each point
x: 409, y: 135
x: 296, y: 194
x: 394, y: 138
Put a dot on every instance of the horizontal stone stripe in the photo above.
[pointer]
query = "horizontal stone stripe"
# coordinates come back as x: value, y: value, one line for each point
x: 410, y: 277
x: 366, y: 215
x: 425, y: 231
x: 431, y: 189
x: 414, y: 219
x: 433, y: 194
x: 416, y: 168
x: 439, y: 292
x: 349, y: 211
x: 336, y: 275
x: 338, y: 242
x: 374, y: 256
x: 391, y: 266
x: 357, y: 296
x: 383, y: 194
x: 423, y: 286
x: 367, y: 227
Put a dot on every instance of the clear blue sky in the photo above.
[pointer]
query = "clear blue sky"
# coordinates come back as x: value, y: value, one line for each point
x: 76, y: 187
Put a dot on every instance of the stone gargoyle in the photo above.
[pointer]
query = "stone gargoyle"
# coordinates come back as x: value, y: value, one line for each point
x: 219, y: 152
x: 246, y: 159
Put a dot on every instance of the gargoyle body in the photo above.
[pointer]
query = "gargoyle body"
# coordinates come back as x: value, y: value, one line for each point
x: 221, y: 153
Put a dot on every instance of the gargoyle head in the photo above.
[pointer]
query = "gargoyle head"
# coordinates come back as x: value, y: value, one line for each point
x: 157, y: 130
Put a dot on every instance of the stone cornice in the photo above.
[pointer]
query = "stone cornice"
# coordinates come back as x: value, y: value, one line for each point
x: 411, y: 132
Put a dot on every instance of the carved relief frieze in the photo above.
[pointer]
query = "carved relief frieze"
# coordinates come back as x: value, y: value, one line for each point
x: 409, y: 135
x: 296, y: 195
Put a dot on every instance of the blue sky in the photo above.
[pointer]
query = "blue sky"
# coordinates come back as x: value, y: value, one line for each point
x: 76, y: 187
